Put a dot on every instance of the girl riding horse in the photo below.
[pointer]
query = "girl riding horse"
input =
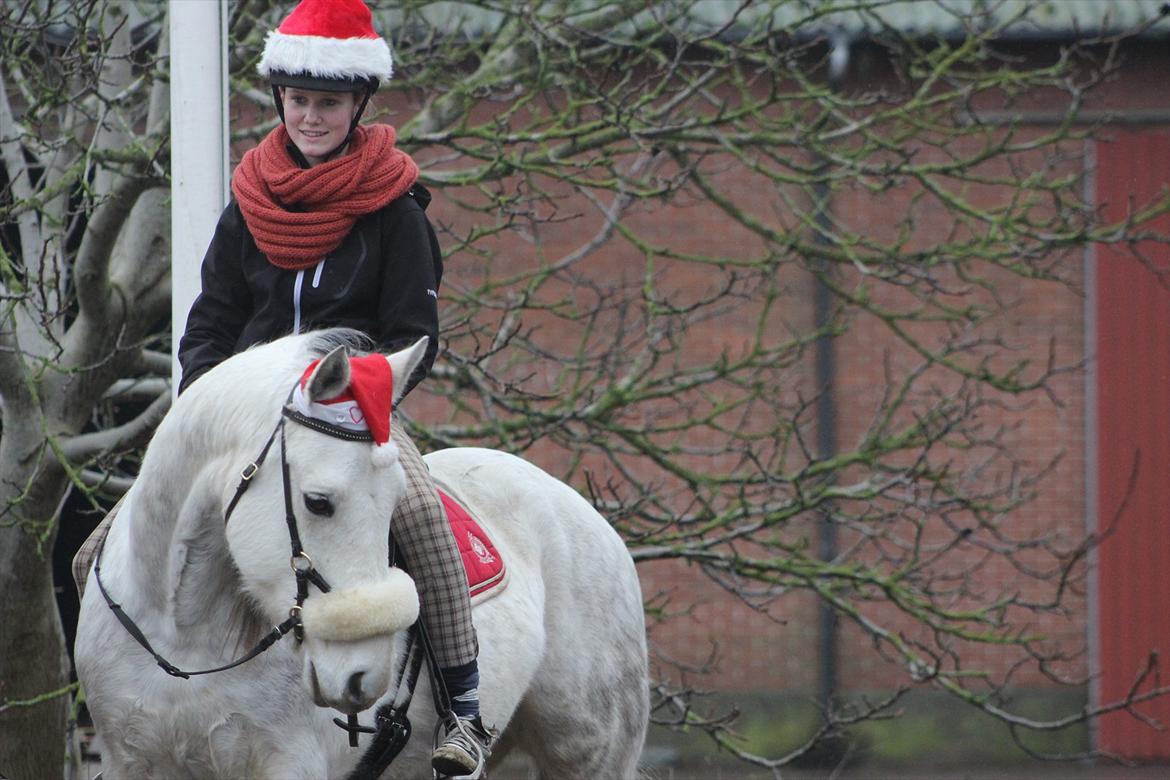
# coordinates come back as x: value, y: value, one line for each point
x: 327, y: 227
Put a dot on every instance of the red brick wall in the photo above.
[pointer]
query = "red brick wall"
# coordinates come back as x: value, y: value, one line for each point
x: 773, y: 646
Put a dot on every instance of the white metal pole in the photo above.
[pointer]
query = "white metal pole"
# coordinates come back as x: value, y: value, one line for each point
x: 199, y: 146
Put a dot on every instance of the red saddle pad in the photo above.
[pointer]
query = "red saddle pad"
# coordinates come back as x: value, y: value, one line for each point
x: 484, y: 566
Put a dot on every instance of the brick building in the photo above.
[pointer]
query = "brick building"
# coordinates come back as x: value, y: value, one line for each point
x: 1109, y: 319
x: 1109, y: 438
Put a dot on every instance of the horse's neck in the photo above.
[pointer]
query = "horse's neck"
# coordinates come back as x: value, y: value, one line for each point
x: 182, y: 588
x: 171, y: 495
x: 173, y: 549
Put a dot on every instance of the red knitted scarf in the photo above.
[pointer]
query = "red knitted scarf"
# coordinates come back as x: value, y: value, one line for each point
x: 299, y: 215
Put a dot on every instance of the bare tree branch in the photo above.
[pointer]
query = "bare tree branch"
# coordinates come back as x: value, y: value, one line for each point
x: 134, y: 433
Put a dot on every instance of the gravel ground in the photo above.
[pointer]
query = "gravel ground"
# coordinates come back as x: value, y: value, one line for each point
x: 1070, y: 772
x: 517, y: 770
x: 1063, y: 773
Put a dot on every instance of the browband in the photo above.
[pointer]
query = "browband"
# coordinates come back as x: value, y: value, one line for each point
x: 328, y: 429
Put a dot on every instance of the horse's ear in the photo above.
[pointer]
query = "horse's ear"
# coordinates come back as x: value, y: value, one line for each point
x: 404, y: 362
x: 330, y: 377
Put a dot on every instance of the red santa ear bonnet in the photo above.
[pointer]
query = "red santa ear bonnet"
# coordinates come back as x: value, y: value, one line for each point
x: 326, y: 44
x: 364, y: 407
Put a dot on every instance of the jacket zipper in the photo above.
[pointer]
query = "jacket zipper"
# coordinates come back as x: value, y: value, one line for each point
x: 297, y: 285
x: 297, y: 301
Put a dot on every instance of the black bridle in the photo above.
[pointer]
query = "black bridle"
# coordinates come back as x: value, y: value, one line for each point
x: 301, y: 563
x: 392, y: 726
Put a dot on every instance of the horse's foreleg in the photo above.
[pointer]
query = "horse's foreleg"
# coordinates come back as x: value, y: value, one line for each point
x: 117, y: 766
x: 293, y: 769
x: 240, y: 749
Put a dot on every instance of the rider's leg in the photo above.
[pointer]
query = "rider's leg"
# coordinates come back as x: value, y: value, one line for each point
x: 85, y: 555
x: 432, y: 557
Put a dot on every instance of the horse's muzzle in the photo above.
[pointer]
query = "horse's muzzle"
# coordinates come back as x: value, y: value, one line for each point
x: 355, y: 698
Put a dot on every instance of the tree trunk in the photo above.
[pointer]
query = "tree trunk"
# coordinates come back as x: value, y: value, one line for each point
x: 32, y: 644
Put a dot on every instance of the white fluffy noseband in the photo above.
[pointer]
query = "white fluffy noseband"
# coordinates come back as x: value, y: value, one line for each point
x: 359, y: 613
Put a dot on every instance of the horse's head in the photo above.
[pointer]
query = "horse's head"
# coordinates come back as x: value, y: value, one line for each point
x: 341, y: 489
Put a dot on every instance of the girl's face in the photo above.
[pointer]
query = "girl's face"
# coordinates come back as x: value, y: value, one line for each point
x: 317, y: 121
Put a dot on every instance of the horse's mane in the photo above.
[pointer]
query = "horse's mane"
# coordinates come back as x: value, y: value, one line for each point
x: 320, y: 343
x: 241, y: 396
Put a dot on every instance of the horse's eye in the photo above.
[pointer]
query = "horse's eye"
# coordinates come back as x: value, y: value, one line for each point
x: 319, y: 504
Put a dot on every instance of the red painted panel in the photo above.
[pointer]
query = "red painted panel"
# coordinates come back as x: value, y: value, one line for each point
x: 1133, y: 430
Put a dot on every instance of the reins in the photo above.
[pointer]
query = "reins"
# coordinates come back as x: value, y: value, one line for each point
x: 301, y: 563
x: 131, y: 627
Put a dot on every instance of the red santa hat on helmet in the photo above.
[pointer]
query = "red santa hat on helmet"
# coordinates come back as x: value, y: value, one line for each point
x: 364, y: 407
x: 332, y: 42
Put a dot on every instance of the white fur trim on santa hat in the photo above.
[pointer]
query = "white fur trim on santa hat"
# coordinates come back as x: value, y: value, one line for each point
x: 359, y: 613
x: 384, y: 455
x: 327, y: 58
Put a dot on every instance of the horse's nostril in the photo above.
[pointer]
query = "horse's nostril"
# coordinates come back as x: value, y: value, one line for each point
x: 353, y: 688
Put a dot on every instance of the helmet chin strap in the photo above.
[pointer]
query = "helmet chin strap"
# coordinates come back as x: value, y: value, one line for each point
x: 357, y: 117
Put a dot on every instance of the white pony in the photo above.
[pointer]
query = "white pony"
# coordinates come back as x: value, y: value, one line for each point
x: 562, y: 648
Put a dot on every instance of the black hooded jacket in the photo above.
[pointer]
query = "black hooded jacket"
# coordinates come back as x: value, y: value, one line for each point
x: 382, y: 280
